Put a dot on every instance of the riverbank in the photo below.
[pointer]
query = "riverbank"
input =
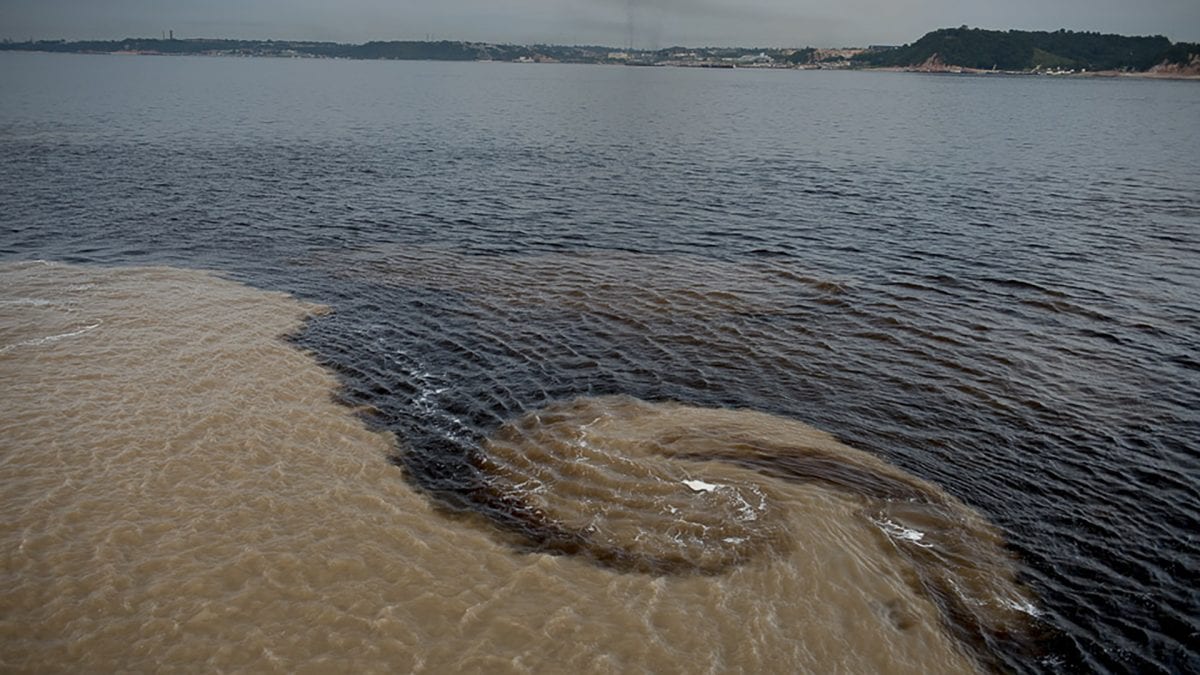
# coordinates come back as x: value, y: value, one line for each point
x: 1164, y: 73
x: 958, y: 51
x: 1115, y: 74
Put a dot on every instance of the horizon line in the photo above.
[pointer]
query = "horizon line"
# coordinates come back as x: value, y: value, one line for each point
x: 431, y: 40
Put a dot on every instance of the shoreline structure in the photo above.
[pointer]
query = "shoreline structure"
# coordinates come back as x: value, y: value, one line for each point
x: 960, y: 51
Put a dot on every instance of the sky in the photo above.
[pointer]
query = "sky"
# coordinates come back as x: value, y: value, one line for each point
x: 655, y: 23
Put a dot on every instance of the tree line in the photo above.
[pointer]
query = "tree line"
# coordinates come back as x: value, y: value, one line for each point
x: 1029, y: 50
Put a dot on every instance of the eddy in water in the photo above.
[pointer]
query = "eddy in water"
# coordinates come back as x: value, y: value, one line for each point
x: 183, y: 490
x: 668, y: 489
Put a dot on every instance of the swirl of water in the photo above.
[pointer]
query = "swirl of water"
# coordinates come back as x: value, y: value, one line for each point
x: 665, y: 488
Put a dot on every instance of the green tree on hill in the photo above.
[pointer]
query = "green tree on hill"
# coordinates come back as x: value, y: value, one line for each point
x: 1025, y: 50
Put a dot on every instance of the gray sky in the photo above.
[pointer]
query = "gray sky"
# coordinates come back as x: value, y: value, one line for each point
x: 657, y: 23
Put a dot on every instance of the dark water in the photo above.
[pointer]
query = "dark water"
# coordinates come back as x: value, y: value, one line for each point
x: 993, y: 283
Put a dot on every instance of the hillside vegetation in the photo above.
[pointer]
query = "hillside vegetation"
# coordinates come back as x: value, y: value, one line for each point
x: 1029, y: 50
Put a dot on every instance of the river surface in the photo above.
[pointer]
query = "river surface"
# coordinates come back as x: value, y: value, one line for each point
x: 398, y: 366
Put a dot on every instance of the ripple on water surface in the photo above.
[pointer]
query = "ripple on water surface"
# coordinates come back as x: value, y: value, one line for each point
x: 182, y: 489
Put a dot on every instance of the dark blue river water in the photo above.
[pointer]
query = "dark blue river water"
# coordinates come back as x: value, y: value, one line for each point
x: 992, y: 282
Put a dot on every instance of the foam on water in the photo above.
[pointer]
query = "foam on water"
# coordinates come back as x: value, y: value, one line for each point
x: 35, y: 342
x: 700, y: 486
x: 901, y: 532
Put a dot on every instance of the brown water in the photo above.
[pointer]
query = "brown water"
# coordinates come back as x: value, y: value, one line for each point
x: 182, y: 491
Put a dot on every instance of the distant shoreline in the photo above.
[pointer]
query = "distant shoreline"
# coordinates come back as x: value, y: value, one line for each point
x: 1094, y: 74
x: 961, y: 51
x: 949, y: 71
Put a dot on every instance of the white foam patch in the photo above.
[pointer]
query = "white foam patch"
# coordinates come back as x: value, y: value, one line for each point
x: 428, y: 401
x: 748, y: 511
x: 50, y: 338
x: 1023, y: 606
x: 700, y: 486
x: 897, y: 531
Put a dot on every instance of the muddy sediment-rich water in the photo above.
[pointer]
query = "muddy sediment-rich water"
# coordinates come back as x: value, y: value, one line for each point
x: 323, y: 365
x: 181, y: 488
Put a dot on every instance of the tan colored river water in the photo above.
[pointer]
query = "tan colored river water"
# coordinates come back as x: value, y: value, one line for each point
x: 180, y: 491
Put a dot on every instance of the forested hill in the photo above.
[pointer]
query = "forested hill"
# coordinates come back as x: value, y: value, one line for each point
x: 1028, y: 50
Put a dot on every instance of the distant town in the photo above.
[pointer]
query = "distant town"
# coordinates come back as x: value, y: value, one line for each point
x: 705, y: 57
x: 955, y: 50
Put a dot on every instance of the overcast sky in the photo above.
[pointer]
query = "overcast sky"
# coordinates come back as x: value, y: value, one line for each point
x: 656, y: 23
